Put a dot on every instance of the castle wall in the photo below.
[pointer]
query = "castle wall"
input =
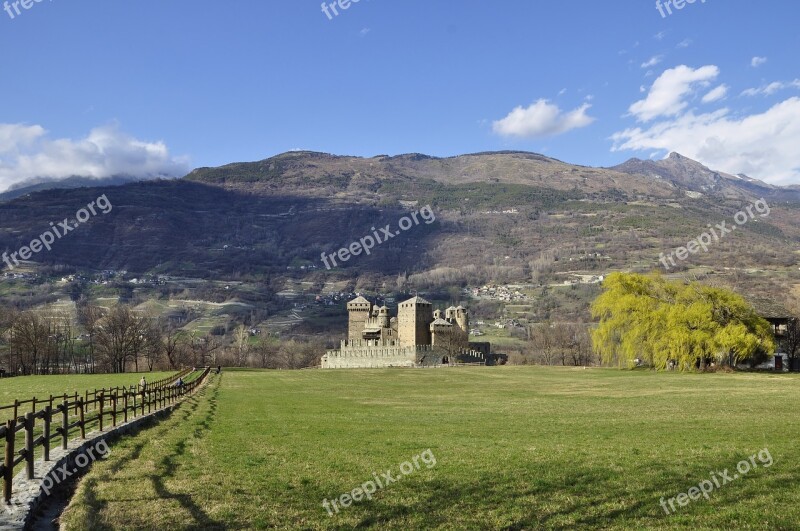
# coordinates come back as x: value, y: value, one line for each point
x: 358, y: 355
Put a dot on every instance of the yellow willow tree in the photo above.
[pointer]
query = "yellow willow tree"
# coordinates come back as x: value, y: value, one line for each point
x: 662, y: 321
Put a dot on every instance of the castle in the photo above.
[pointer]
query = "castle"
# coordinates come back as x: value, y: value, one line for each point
x: 418, y: 336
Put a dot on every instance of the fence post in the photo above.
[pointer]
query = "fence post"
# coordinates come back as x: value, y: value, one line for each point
x: 125, y: 405
x: 102, y: 399
x: 48, y: 418
x: 8, y: 476
x: 114, y: 410
x: 64, y: 424
x: 82, y: 410
x: 29, y: 423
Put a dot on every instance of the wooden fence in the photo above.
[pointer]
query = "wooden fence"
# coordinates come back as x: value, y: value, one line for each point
x: 87, y: 395
x: 105, y: 405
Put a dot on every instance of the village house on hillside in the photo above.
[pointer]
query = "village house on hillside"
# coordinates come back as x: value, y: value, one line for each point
x: 417, y: 336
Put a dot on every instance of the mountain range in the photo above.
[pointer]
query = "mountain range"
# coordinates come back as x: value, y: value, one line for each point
x: 500, y: 216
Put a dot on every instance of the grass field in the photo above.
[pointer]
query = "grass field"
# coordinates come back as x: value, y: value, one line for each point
x: 41, y: 387
x: 515, y: 448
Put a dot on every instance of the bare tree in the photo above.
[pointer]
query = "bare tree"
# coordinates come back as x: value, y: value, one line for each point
x: 791, y: 341
x: 453, y: 343
x: 89, y: 318
x: 7, y: 318
x: 173, y: 346
x: 203, y: 350
x: 543, y: 340
x: 242, y: 345
x: 119, y: 335
x: 268, y: 354
x: 153, y: 344
x: 28, y: 340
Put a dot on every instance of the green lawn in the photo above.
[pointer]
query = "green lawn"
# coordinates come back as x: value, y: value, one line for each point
x: 41, y: 387
x: 515, y: 448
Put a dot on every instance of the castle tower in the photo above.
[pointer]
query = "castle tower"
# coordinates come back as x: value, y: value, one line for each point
x: 462, y: 319
x: 359, y: 311
x: 440, y: 332
x: 413, y: 322
x: 383, y: 317
x: 450, y: 314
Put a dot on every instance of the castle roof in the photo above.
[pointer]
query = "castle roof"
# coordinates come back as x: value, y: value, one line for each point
x: 358, y: 300
x: 416, y: 300
x: 452, y: 308
x: 441, y: 322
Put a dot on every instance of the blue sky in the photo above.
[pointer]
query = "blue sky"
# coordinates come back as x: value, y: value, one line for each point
x: 97, y: 87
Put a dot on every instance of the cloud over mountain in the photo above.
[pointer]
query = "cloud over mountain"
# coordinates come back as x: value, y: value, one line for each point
x: 667, y: 96
x: 28, y: 152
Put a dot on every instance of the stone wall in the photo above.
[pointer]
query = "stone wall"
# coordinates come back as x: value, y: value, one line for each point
x: 366, y: 357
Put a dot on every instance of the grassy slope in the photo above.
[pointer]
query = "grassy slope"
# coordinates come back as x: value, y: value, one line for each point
x: 516, y: 448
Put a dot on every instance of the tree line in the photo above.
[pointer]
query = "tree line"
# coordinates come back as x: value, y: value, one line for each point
x: 119, y: 339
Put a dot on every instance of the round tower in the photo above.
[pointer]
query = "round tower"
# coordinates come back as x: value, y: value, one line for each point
x: 462, y: 319
x: 383, y: 317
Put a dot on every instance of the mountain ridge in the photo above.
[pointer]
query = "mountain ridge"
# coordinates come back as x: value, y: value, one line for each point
x: 674, y: 175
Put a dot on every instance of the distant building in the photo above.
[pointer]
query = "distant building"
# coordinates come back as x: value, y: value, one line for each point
x: 418, y: 336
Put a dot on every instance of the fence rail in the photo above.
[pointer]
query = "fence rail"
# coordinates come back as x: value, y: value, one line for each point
x: 87, y: 394
x: 106, y: 405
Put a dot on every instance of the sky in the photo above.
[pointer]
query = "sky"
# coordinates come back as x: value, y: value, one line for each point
x: 147, y: 88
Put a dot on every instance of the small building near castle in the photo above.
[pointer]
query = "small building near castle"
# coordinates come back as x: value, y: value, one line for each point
x: 417, y: 336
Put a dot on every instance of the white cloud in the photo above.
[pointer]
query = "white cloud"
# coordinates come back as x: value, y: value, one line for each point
x: 761, y: 145
x: 27, y: 152
x: 716, y: 94
x: 653, y: 61
x: 771, y: 88
x: 755, y: 62
x: 660, y: 35
x: 542, y: 119
x: 685, y: 43
x: 666, y: 96
x: 364, y: 31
